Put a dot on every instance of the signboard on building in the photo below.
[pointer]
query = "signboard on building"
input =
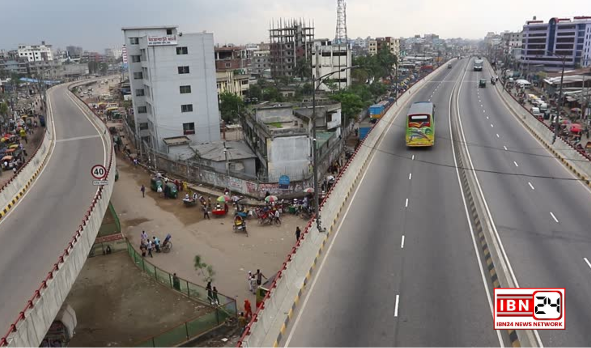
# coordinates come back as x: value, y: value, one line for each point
x: 166, y: 40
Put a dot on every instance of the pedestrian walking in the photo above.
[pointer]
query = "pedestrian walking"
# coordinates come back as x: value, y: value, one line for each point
x: 209, y: 292
x: 251, y: 282
x: 298, y: 233
x: 143, y: 190
x: 144, y: 237
x: 185, y: 186
x: 209, y: 203
x: 143, y: 249
x: 156, y: 244
x: 216, y: 300
x: 176, y: 282
x: 206, y: 213
x: 242, y: 322
x: 247, y: 309
x: 259, y: 276
x: 150, y: 246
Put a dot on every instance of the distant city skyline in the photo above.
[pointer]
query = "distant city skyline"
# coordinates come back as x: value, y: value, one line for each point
x: 97, y: 25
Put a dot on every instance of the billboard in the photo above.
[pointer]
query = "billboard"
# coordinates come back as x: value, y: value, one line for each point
x: 166, y: 40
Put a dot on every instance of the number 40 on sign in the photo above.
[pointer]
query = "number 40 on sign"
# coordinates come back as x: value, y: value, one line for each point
x: 99, y: 172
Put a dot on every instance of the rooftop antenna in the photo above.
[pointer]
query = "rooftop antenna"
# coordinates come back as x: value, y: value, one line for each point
x: 341, y: 31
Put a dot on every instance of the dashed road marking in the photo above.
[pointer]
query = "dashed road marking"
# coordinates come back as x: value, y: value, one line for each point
x: 505, y: 147
x: 554, y: 217
x: 530, y: 185
x: 402, y: 243
x: 498, y: 135
x: 396, y: 306
x: 588, y: 263
x: 492, y: 126
x: 409, y: 176
x: 413, y: 157
x: 516, y: 165
x: 406, y: 204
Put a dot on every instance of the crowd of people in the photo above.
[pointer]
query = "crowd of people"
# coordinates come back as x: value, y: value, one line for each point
x: 149, y: 246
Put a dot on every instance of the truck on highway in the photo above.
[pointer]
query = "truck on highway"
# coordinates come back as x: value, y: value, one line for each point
x: 478, y: 64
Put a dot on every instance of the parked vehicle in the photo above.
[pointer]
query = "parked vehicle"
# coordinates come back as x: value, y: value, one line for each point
x: 536, y: 111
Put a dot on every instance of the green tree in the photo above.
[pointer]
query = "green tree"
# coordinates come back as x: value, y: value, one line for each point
x: 230, y: 106
x: 272, y: 93
x: 351, y: 105
x: 255, y: 91
x: 103, y: 68
x: 303, y: 68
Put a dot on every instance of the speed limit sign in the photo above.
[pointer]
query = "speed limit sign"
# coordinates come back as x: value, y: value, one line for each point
x: 98, y: 171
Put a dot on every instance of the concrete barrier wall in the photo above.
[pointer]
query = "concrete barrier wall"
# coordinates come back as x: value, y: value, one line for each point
x: 16, y: 187
x: 575, y: 161
x: 39, y: 313
x: 272, y: 317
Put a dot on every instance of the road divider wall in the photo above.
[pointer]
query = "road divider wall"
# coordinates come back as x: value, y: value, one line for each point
x: 275, y: 312
x: 564, y: 151
x: 39, y: 312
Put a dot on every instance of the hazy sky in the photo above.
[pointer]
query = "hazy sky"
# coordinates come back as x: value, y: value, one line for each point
x: 95, y: 25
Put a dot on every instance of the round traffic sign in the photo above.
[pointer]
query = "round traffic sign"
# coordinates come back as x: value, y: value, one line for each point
x: 98, y: 171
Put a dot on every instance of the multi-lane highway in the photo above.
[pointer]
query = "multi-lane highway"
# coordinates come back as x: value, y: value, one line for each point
x: 402, y: 269
x: 35, y: 232
x: 542, y: 214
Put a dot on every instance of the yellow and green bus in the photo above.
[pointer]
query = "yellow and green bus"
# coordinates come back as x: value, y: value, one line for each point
x: 420, y: 124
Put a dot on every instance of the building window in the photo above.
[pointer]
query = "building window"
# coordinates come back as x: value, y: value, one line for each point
x: 182, y: 50
x: 135, y: 59
x: 185, y: 89
x: 183, y: 69
x: 228, y: 65
x: 187, y: 108
x: 168, y: 31
x: 139, y: 92
x: 138, y: 75
x: 134, y: 40
x: 143, y: 125
x: 188, y: 128
x: 142, y: 110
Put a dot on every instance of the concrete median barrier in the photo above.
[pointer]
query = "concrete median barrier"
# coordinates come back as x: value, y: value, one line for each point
x: 272, y: 318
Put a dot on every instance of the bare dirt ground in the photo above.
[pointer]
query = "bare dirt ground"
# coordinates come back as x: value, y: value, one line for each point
x: 119, y: 305
x: 231, y: 254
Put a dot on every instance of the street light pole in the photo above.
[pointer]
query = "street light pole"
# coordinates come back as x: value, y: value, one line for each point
x: 557, y: 125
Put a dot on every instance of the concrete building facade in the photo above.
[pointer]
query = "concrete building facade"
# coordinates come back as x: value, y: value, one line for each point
x: 331, y: 58
x: 173, y: 83
x: 228, y: 81
x: 545, y: 44
x: 290, y: 44
x: 389, y: 43
x: 35, y: 53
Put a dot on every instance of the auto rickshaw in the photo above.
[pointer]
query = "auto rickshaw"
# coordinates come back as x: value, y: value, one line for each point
x: 482, y: 83
x: 156, y: 182
x: 170, y: 190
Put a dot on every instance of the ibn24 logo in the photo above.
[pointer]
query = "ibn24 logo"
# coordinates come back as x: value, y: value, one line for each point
x: 529, y: 308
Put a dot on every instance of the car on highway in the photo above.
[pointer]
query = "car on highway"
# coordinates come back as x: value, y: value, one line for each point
x: 449, y: 66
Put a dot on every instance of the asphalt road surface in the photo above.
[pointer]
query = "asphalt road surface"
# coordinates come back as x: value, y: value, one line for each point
x: 541, y: 213
x: 403, y: 269
x: 35, y: 233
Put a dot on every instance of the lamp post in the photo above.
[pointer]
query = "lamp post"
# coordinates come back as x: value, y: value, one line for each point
x: 317, y: 82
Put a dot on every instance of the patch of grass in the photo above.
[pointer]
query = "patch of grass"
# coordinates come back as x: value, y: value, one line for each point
x: 275, y: 124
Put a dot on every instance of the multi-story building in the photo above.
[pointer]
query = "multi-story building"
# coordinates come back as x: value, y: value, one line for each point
x: 113, y: 53
x: 548, y: 44
x: 35, y: 53
x: 229, y: 81
x: 331, y: 58
x: 14, y: 66
x: 290, y: 46
x: 231, y: 58
x: 260, y: 62
x: 173, y: 84
x: 389, y: 43
x: 74, y: 52
x: 512, y: 39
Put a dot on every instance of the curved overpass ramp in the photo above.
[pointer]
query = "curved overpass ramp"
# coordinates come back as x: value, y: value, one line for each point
x: 43, y: 233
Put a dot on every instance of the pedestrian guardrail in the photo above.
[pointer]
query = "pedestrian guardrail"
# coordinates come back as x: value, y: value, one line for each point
x: 223, y: 307
x: 273, y: 315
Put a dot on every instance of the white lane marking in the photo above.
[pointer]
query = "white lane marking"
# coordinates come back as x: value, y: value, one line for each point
x: 554, y: 217
x: 491, y: 126
x: 505, y: 147
x: 487, y: 117
x: 402, y: 243
x: 406, y: 204
x: 530, y: 185
x: 483, y: 110
x: 516, y: 165
x: 409, y: 176
x: 588, y: 263
x: 396, y: 307
x: 78, y: 138
x: 498, y: 135
x: 413, y: 157
x: 321, y: 267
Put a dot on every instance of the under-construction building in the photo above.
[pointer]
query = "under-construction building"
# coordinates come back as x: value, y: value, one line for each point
x: 289, y: 40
